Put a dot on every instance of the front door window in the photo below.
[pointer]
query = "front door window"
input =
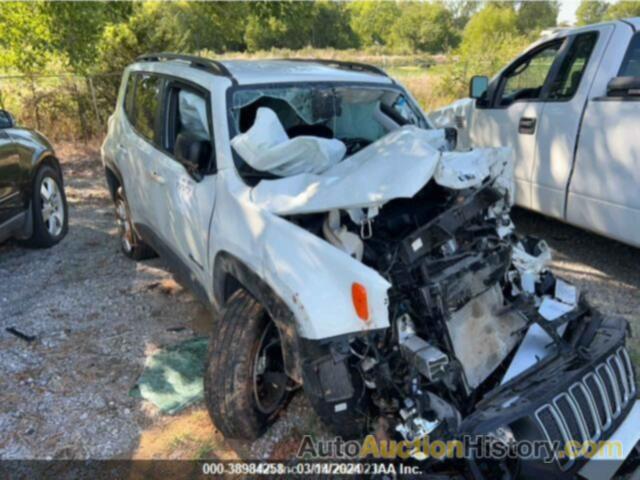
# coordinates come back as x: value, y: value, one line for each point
x: 525, y: 79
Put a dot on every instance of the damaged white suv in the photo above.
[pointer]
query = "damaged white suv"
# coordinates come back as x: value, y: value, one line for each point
x: 349, y: 248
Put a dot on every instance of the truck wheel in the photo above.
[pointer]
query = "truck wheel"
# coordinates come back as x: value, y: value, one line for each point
x: 49, y: 208
x: 130, y: 243
x: 245, y: 384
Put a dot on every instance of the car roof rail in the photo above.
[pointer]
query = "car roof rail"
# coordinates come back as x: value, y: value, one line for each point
x: 361, y: 67
x: 207, y: 64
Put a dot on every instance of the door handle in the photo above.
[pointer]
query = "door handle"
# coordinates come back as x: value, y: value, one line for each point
x: 527, y: 126
x: 156, y: 177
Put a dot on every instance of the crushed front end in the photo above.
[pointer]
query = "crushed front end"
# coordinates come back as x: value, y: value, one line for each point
x: 485, y: 342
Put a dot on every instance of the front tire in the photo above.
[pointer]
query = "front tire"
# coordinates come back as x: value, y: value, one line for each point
x: 245, y: 384
x: 130, y: 243
x: 49, y: 208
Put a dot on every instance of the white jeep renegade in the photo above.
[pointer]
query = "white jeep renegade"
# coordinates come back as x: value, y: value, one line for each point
x: 346, y: 246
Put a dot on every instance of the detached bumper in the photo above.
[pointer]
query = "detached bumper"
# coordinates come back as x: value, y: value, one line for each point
x: 608, y: 459
x: 567, y: 400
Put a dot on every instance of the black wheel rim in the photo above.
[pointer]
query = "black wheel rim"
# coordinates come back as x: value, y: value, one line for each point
x: 269, y: 378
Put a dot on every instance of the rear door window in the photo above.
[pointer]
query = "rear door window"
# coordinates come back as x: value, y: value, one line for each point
x: 631, y: 63
x: 573, y: 66
x: 147, y: 105
x: 188, y: 114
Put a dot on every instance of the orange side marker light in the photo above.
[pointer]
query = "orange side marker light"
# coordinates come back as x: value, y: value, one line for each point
x: 360, y: 301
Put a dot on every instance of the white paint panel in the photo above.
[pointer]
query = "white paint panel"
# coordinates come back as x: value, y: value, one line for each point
x: 604, y: 195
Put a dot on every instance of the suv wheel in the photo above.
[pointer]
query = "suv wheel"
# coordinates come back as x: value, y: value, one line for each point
x: 130, y: 243
x: 245, y: 383
x: 50, y: 220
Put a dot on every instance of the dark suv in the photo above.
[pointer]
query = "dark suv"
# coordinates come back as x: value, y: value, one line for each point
x: 33, y: 206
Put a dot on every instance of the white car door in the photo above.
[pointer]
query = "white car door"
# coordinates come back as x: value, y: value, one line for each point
x: 184, y: 193
x: 510, y: 113
x: 137, y: 140
x: 558, y: 126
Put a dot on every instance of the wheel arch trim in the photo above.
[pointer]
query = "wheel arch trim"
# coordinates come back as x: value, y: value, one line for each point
x: 230, y: 273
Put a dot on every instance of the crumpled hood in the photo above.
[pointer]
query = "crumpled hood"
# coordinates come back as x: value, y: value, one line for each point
x: 396, y: 166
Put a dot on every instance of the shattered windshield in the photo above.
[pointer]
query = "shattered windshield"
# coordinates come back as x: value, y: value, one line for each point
x: 347, y: 113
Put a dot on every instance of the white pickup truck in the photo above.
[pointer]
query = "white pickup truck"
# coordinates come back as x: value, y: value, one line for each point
x: 570, y: 107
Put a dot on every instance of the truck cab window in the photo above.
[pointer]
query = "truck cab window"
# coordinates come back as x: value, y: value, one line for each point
x: 631, y: 63
x: 524, y: 80
x: 573, y: 66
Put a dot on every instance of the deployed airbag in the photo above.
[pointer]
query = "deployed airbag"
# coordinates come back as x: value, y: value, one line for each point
x: 193, y: 114
x: 267, y: 147
x: 396, y: 166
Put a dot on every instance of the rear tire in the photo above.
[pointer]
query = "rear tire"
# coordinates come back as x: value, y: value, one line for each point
x: 49, y: 208
x: 130, y: 243
x: 245, y: 385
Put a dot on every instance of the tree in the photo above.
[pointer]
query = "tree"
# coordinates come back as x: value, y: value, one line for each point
x: 589, y: 11
x: 331, y: 26
x: 173, y: 26
x: 278, y: 25
x: 296, y: 25
x: 623, y: 9
x: 76, y: 27
x: 462, y: 11
x: 489, y: 41
x: 372, y: 21
x: 426, y: 27
x: 25, y: 37
x: 536, y: 16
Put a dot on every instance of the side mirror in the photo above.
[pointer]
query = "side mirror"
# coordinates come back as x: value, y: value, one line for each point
x: 624, y: 87
x: 478, y: 86
x: 6, y: 120
x: 193, y: 153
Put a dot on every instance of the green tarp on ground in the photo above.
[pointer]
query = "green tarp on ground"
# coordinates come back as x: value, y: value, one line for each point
x: 172, y: 377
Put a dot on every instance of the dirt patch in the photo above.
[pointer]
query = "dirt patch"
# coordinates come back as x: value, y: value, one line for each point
x: 96, y: 316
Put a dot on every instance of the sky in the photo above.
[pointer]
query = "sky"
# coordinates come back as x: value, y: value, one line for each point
x: 568, y: 11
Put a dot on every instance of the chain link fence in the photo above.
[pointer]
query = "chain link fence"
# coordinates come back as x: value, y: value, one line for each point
x: 64, y: 107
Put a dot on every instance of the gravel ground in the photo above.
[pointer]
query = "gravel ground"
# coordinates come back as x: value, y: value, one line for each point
x: 96, y: 316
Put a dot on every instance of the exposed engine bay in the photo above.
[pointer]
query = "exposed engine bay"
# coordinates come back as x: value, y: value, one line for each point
x: 448, y: 256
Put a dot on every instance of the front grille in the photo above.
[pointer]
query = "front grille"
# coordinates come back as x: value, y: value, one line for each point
x: 613, y: 395
x: 568, y: 409
x: 585, y: 406
x: 590, y: 406
x: 626, y: 363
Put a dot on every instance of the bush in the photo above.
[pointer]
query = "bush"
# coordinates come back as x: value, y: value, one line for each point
x: 426, y: 27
